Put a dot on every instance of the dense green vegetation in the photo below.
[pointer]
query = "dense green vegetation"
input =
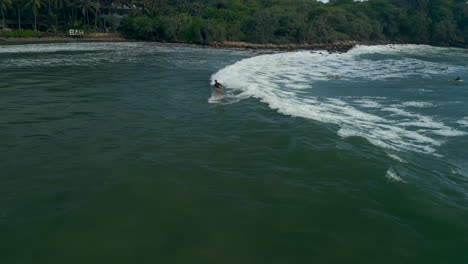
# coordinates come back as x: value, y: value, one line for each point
x: 261, y: 21
x: 21, y: 33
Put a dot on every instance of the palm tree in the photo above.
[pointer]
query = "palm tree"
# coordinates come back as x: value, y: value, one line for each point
x: 18, y: 13
x: 34, y: 5
x: 51, y: 21
x: 97, y: 8
x: 85, y: 6
x: 62, y: 5
x: 4, y: 5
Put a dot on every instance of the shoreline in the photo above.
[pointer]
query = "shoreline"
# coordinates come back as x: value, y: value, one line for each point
x: 342, y: 46
x: 335, y: 47
x: 33, y: 40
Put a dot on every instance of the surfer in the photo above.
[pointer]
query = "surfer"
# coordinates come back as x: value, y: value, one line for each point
x: 458, y: 79
x: 217, y: 87
x: 334, y: 76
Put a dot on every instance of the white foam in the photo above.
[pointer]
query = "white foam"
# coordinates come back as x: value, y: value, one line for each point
x: 410, y: 50
x: 411, y: 61
x: 397, y: 158
x: 398, y: 111
x: 368, y: 103
x: 458, y: 171
x: 215, y: 99
x: 425, y: 90
x: 463, y: 122
x: 393, y: 176
x: 449, y: 132
x: 54, y: 47
x: 273, y: 80
x: 418, y: 104
x: 435, y: 127
x: 224, y: 99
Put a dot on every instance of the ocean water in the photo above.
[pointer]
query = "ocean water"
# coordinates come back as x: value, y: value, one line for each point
x: 114, y: 153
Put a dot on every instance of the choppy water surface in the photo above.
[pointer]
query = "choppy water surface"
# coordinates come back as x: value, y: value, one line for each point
x: 113, y: 152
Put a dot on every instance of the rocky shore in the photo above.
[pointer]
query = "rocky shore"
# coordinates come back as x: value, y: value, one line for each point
x: 342, y: 46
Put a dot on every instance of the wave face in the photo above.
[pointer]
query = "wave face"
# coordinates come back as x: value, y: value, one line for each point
x: 386, y: 94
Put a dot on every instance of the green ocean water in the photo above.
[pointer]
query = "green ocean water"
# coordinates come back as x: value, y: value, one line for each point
x: 114, y: 153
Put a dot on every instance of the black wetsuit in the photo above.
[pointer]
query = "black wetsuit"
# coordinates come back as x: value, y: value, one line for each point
x: 218, y: 86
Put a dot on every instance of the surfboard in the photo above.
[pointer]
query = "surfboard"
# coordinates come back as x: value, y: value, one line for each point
x: 215, y: 98
x: 453, y: 80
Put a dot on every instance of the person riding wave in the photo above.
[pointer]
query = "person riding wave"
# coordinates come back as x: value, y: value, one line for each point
x: 217, y: 87
x: 458, y: 79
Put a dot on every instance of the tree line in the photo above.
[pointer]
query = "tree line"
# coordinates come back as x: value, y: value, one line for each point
x: 60, y: 15
x: 442, y: 22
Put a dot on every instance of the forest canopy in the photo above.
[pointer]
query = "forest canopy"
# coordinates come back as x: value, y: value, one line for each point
x: 441, y: 22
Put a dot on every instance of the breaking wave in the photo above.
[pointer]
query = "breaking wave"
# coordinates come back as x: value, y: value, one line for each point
x: 291, y: 84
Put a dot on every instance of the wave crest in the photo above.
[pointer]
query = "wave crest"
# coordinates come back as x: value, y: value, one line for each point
x: 287, y: 82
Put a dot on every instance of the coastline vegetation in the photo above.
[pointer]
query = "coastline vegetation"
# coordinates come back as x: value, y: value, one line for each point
x: 21, y: 33
x: 439, y: 22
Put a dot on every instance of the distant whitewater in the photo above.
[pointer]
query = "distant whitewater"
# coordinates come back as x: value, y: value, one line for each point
x: 378, y: 96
